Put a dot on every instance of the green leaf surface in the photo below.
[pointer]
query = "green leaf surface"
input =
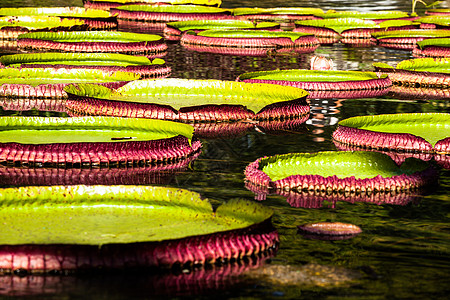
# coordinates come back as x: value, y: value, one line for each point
x: 91, y: 36
x: 37, y: 76
x: 427, y: 64
x: 219, y: 24
x: 173, y: 2
x: 40, y: 130
x: 376, y: 15
x: 432, y: 127
x: 91, y: 59
x: 179, y: 93
x: 311, y: 75
x: 438, y: 20
x: 411, y: 33
x: 253, y: 34
x: 180, y: 9
x: 343, y: 164
x: 396, y: 23
x: 438, y: 42
x: 277, y: 11
x: 38, y: 22
x: 98, y: 215
x: 339, y: 25
x: 74, y: 12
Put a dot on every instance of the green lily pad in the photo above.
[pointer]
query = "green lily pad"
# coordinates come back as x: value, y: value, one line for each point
x: 432, y: 127
x: 38, y: 76
x: 311, y: 75
x: 38, y: 22
x: 377, y: 15
x: 252, y: 34
x: 339, y: 25
x: 77, y: 59
x: 40, y: 130
x: 173, y: 2
x: 74, y: 12
x: 181, y: 9
x: 179, y: 93
x: 360, y: 164
x: 277, y: 11
x: 412, y: 33
x: 218, y: 24
x: 437, y: 20
x: 437, y: 42
x: 99, y: 215
x: 92, y: 36
x: 428, y: 64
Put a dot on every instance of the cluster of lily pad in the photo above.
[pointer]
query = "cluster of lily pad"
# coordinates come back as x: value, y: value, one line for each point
x: 126, y: 114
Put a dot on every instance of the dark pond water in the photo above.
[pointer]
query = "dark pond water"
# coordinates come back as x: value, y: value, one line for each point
x: 403, y: 252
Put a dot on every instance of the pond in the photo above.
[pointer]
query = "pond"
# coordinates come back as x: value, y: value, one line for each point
x: 402, y: 253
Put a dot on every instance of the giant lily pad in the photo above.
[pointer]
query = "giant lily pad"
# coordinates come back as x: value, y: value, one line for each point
x: 346, y: 175
x: 407, y: 39
x: 94, y: 18
x: 439, y: 47
x: 13, y: 26
x: 111, y: 62
x: 325, y: 84
x: 85, y: 227
x: 173, y: 30
x: 107, y: 4
x: 283, y: 15
x: 378, y: 16
x: 337, y: 28
x: 93, y: 41
x: 170, y: 13
x: 426, y: 132
x: 424, y: 72
x: 93, y: 141
x: 49, y: 82
x: 243, y: 42
x: 189, y: 100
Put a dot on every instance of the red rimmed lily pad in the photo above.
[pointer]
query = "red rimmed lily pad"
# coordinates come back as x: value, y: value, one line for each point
x: 93, y: 41
x: 249, y: 42
x: 329, y: 230
x: 170, y: 13
x: 71, y: 228
x: 190, y: 100
x: 438, y: 47
x: 174, y: 30
x: 107, y: 4
x: 13, y: 26
x: 95, y: 19
x: 377, y: 16
x: 325, y: 83
x: 50, y: 83
x: 93, y: 141
x: 340, y: 175
x: 420, y: 135
x: 420, y: 72
x: 407, y: 39
x: 332, y: 30
x: 108, y: 62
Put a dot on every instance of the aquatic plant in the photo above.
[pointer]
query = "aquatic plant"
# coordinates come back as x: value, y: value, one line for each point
x: 13, y: 26
x: 108, y: 62
x: 170, y: 13
x: 332, y: 174
x: 173, y: 30
x: 325, y: 83
x: 107, y: 4
x: 249, y: 42
x: 93, y: 141
x: 71, y: 228
x: 94, y: 18
x: 438, y: 47
x: 93, y: 41
x: 420, y: 72
x: 189, y: 100
x: 329, y: 230
x: 407, y: 39
x: 50, y: 83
